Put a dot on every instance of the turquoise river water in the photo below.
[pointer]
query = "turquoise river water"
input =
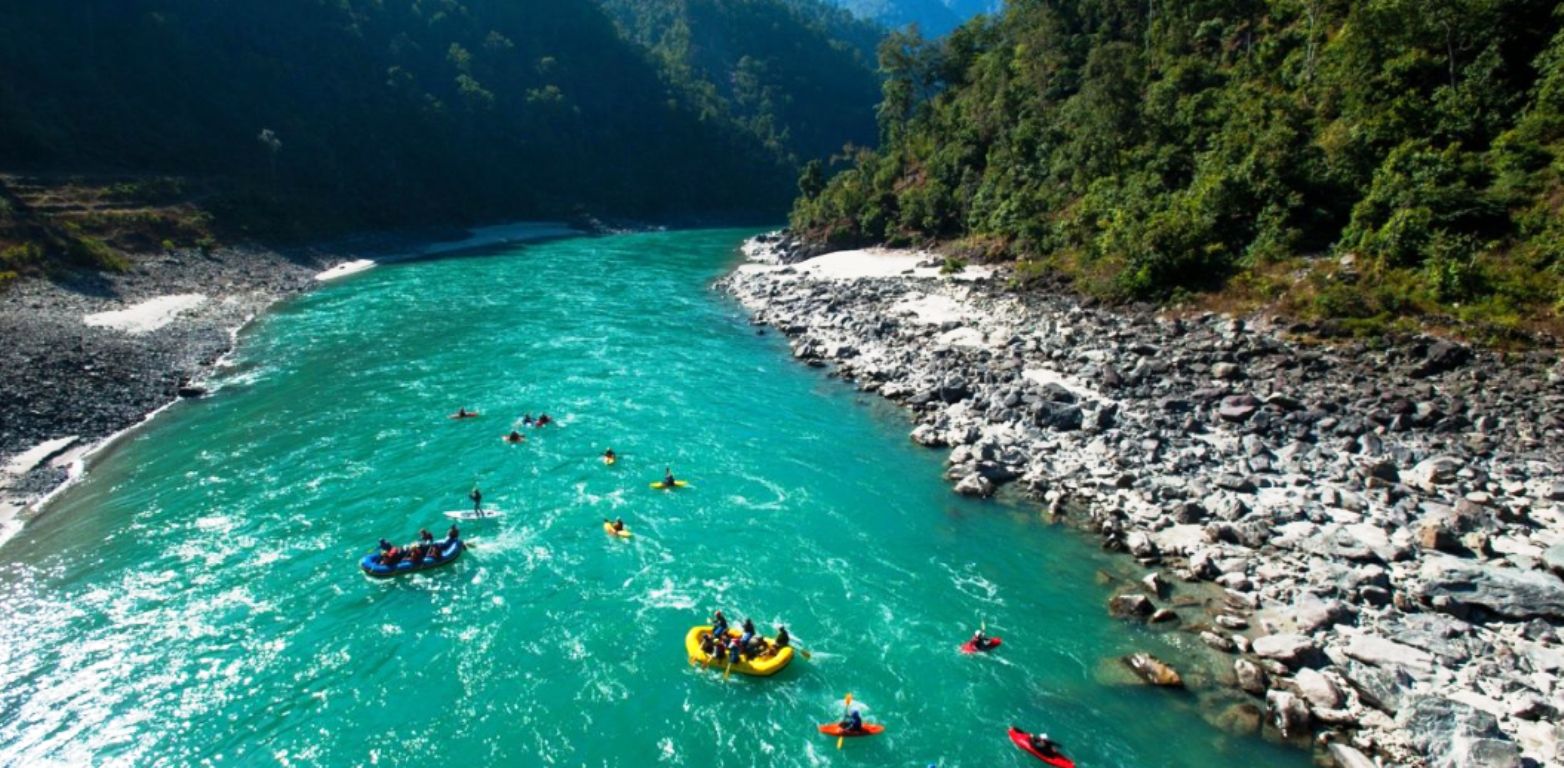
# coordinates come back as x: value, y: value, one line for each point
x: 197, y: 599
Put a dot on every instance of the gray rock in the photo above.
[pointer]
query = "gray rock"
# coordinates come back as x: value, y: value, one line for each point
x: 1251, y: 678
x: 1225, y: 371
x: 1238, y: 407
x: 1455, y: 586
x: 1317, y: 689
x: 1132, y: 606
x: 1288, y: 713
x: 1289, y: 648
x: 1428, y: 474
x: 1383, y: 689
x: 1553, y: 558
x: 1388, y: 654
x: 975, y: 485
x: 1217, y: 641
x: 1348, y: 757
x: 1455, y: 735
x: 1311, y: 614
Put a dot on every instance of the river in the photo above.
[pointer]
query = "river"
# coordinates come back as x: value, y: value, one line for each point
x: 196, y: 600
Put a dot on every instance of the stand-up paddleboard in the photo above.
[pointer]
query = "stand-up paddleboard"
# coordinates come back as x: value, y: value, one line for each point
x: 608, y: 528
x: 468, y: 514
x: 659, y: 485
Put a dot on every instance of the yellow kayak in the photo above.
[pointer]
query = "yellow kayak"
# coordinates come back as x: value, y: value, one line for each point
x: 608, y: 528
x: 767, y: 665
x: 661, y: 486
x: 609, y: 460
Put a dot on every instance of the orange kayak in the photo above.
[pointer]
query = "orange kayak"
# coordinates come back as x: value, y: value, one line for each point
x: 835, y: 729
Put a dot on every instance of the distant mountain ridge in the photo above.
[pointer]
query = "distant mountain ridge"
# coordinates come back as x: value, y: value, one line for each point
x: 933, y: 17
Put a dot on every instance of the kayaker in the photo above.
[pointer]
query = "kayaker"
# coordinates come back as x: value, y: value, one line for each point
x: 1044, y: 745
x: 461, y: 413
x: 980, y: 641
x: 853, y: 723
x: 668, y: 479
x: 619, y: 525
x: 477, y: 499
x: 526, y: 421
x: 609, y: 455
x: 514, y: 437
x: 544, y: 420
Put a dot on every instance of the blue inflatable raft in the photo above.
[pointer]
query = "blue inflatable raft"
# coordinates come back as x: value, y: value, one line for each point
x: 441, y: 554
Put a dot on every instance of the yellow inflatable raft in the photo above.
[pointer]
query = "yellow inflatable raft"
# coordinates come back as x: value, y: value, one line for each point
x: 766, y: 665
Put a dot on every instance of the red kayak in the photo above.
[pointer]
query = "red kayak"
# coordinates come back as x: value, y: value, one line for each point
x: 970, y: 646
x: 835, y: 729
x: 1024, y: 741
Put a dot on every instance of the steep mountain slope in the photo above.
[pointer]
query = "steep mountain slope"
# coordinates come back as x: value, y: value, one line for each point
x: 1150, y: 150
x: 797, y: 73
x: 373, y: 112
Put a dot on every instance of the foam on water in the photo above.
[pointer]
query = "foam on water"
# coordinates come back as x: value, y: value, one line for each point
x: 197, y: 598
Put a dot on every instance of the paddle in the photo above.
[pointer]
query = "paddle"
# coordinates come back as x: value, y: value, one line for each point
x: 729, y: 670
x: 847, y: 708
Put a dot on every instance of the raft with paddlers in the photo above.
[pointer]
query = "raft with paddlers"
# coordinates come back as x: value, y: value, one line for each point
x: 1046, y: 751
x: 765, y: 664
x: 384, y: 565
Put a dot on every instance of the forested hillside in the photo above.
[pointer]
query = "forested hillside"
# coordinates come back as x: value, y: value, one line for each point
x: 798, y: 74
x: 1365, y: 161
x: 339, y: 113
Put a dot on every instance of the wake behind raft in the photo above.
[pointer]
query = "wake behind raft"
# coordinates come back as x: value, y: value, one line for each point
x: 443, y: 553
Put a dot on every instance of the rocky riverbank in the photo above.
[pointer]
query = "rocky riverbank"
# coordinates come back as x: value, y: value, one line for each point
x: 1386, y: 523
x: 89, y: 355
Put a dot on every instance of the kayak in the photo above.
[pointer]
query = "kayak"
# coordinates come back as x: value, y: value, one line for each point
x: 443, y: 554
x: 835, y: 729
x: 470, y: 415
x: 970, y: 646
x: 764, y: 666
x: 468, y: 514
x: 507, y: 439
x: 608, y: 528
x: 609, y: 460
x: 661, y: 486
x: 1023, y: 740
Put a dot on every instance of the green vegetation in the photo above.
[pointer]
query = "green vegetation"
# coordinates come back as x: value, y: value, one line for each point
x: 308, y: 116
x: 1367, y: 161
x: 796, y: 74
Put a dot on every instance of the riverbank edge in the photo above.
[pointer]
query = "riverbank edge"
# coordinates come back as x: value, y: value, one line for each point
x: 61, y: 462
x: 1382, y: 653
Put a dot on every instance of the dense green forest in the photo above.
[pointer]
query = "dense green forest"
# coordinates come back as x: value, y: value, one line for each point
x: 1366, y: 160
x: 799, y: 74
x: 312, y: 114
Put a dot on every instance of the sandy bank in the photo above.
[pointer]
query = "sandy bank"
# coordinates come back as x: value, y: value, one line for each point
x: 146, y: 316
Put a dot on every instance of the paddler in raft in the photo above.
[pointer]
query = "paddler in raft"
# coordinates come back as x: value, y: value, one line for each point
x: 981, y: 641
x: 1045, y: 746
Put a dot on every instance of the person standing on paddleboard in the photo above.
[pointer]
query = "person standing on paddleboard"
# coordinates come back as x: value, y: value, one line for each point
x: 477, y: 500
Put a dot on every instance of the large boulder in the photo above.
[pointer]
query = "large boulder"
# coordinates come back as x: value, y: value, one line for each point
x: 1134, y: 606
x: 1456, y: 735
x: 1237, y: 407
x: 1251, y: 678
x: 1428, y: 474
x: 1292, y: 649
x: 1455, y: 586
x: 1317, y: 689
x: 1153, y: 670
x: 1441, y: 356
x: 1288, y: 712
x: 1348, y: 757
